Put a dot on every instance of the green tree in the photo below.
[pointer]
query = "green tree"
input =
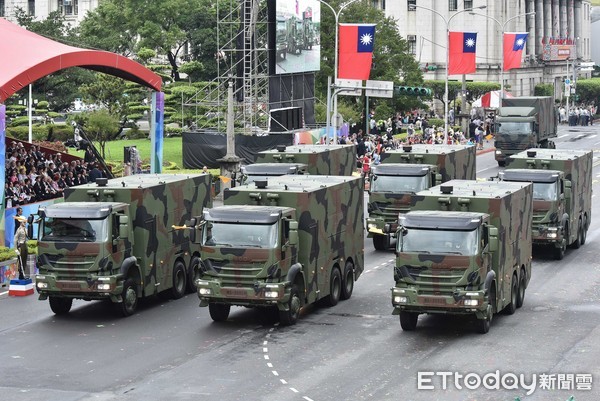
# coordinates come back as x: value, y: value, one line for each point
x: 101, y: 126
x: 588, y: 90
x: 474, y: 89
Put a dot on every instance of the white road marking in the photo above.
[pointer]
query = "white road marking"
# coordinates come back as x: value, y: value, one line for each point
x: 282, y: 381
x: 267, y: 357
x: 307, y: 399
x: 562, y: 136
x: 265, y: 349
x: 270, y: 365
x: 294, y: 390
x: 275, y: 373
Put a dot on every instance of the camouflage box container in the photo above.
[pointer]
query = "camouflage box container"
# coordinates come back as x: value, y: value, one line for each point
x: 404, y: 172
x: 115, y: 239
x: 524, y: 122
x: 464, y: 248
x: 263, y: 171
x: 284, y: 243
x: 319, y: 159
x: 562, y: 194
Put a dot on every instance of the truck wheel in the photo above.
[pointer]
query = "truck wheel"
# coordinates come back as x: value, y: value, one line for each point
x: 381, y: 242
x: 501, y: 163
x: 483, y: 325
x: 348, y: 282
x: 514, y: 292
x: 60, y: 306
x: 577, y: 243
x: 218, y: 312
x: 179, y: 280
x: 522, y: 285
x: 408, y: 320
x: 559, y: 252
x: 335, y: 288
x: 290, y: 317
x: 585, y: 228
x: 128, y: 305
x: 193, y: 274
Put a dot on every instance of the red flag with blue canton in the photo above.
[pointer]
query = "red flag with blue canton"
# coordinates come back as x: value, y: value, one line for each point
x: 461, y: 52
x: 356, y: 51
x: 513, y: 47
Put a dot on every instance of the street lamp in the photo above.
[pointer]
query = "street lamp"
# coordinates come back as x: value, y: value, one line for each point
x: 447, y: 22
x: 336, y: 14
x: 502, y: 25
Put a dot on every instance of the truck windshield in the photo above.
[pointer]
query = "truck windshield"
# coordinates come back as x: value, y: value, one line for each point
x: 239, y: 235
x: 547, y: 191
x: 281, y: 28
x: 514, y: 128
x: 388, y: 183
x: 439, y: 241
x: 56, y: 229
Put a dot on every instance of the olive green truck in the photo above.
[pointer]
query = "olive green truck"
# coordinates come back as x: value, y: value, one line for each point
x: 115, y: 240
x: 562, y: 194
x: 282, y: 244
x: 465, y: 249
x: 406, y: 171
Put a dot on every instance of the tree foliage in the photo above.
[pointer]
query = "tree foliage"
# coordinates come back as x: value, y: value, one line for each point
x: 101, y: 126
x: 589, y: 90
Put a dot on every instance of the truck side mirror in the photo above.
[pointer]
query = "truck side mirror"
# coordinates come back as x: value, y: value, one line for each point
x: 493, y: 240
x: 567, y: 189
x: 123, y: 226
x: 293, y: 235
x: 192, y: 225
x: 437, y: 180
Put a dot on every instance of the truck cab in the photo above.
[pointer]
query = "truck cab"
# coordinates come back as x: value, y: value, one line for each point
x: 281, y: 37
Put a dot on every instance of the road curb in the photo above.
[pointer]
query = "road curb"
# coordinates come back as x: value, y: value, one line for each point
x: 481, y: 152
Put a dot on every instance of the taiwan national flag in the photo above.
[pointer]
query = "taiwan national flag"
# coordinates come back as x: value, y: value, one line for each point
x: 513, y: 47
x: 461, y: 53
x: 356, y: 51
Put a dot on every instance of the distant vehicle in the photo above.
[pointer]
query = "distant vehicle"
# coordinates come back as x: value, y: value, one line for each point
x: 281, y: 38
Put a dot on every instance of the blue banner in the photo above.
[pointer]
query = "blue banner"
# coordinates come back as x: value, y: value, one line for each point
x: 157, y: 132
x: 2, y: 168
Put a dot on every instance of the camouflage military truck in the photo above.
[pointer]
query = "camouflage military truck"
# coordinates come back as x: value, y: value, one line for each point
x: 114, y: 240
x: 282, y: 244
x: 522, y: 123
x: 263, y: 171
x: 464, y: 248
x: 319, y: 159
x: 404, y: 172
x: 281, y: 40
x: 562, y: 194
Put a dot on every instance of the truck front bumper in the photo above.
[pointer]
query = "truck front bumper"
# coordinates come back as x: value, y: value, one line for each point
x: 543, y: 235
x: 378, y: 226
x: 261, y: 294
x: 94, y: 287
x: 461, y: 302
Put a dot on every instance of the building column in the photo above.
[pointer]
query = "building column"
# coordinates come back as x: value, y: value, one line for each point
x: 564, y: 29
x: 530, y: 25
x: 547, y: 19
x: 555, y: 19
x: 539, y: 27
x: 578, y: 29
x: 571, y: 18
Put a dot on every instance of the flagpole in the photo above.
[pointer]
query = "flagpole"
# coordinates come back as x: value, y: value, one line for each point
x: 447, y: 22
x: 335, y: 66
x: 502, y: 26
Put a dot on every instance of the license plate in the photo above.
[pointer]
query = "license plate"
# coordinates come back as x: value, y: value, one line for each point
x: 233, y: 292
x: 433, y: 300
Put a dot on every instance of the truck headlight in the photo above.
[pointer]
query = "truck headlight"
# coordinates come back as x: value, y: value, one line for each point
x: 498, y: 152
x: 41, y: 285
x: 204, y: 291
x: 104, y: 287
x: 271, y: 294
x: 552, y: 232
x: 371, y: 225
x: 400, y: 300
x: 471, y: 302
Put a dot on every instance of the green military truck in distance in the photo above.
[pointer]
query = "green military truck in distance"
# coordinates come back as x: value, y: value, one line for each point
x: 319, y: 159
x: 464, y: 248
x: 406, y: 171
x: 562, y: 194
x: 522, y: 123
x: 282, y: 244
x: 115, y: 240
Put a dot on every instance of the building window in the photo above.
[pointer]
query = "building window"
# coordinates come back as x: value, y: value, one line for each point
x: 452, y: 5
x: 68, y: 7
x: 1, y: 8
x: 411, y: 5
x: 468, y: 4
x: 31, y: 7
x: 379, y: 4
x: 412, y: 44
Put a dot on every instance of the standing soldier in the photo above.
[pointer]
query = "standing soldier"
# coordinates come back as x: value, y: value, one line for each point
x: 21, y: 245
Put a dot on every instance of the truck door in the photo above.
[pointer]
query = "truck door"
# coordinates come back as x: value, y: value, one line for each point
x: 118, y: 243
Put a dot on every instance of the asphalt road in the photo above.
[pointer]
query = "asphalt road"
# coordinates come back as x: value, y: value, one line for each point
x: 171, y: 350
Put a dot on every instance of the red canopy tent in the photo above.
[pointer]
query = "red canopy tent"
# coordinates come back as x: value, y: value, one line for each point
x: 491, y: 100
x: 27, y: 57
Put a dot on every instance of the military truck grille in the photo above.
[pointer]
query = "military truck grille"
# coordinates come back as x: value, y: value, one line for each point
x: 425, y: 278
x: 73, y: 267
x: 538, y: 216
x: 391, y: 212
x: 235, y: 276
x: 504, y: 143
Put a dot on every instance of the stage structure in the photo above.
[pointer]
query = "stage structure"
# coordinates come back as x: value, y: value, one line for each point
x: 249, y: 54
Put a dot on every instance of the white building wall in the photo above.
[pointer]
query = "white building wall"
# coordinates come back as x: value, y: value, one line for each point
x: 44, y: 7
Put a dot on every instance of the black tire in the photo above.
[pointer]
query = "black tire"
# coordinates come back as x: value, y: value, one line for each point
x: 290, y: 317
x: 514, y: 295
x: 219, y: 312
x: 381, y: 242
x: 335, y: 288
x: 522, y: 286
x: 408, y: 320
x: 193, y: 274
x: 128, y: 306
x: 559, y: 252
x: 483, y: 325
x: 348, y: 281
x: 60, y: 306
x: 501, y: 163
x: 577, y: 243
x: 584, y: 232
x: 179, y: 280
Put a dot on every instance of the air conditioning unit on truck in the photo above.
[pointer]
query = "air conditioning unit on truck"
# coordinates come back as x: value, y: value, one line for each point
x: 115, y: 240
x: 318, y: 159
x: 523, y: 123
x: 282, y: 244
x: 403, y: 173
x: 562, y: 194
x: 464, y: 248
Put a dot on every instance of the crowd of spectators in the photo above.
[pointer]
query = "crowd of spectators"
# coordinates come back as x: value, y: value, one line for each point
x: 581, y: 115
x: 33, y: 175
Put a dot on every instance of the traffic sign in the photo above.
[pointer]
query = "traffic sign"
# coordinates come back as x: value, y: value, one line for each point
x: 567, y: 81
x: 380, y: 89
